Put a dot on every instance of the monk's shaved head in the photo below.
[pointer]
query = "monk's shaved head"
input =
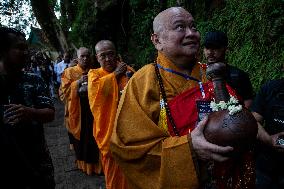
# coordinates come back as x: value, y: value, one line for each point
x: 103, y: 44
x: 84, y: 57
x: 106, y: 55
x: 176, y: 36
x: 82, y: 49
x: 160, y: 20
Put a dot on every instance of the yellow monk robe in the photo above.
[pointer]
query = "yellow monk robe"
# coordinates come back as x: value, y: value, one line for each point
x: 69, y: 89
x: 147, y: 154
x: 69, y: 83
x: 103, y: 92
x: 66, y: 116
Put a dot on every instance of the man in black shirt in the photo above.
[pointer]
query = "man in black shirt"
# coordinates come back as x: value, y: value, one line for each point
x: 215, y: 48
x: 25, y: 105
x: 268, y: 109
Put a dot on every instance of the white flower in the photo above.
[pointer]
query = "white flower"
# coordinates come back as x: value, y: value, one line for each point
x: 222, y: 105
x: 213, y: 106
x: 234, y: 109
x: 233, y: 100
x: 232, y: 105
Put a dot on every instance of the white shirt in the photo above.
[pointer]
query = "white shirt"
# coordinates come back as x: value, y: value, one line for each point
x: 59, y: 68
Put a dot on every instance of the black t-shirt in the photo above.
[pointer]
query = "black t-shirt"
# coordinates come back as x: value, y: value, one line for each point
x: 269, y: 102
x: 23, y: 147
x: 239, y: 80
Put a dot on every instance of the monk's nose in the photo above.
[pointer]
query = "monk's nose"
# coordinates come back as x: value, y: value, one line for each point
x: 189, y: 31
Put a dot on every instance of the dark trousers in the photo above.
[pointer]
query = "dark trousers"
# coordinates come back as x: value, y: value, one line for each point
x: 269, y: 170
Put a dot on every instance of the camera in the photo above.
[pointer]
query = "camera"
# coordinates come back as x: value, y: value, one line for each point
x: 280, y: 140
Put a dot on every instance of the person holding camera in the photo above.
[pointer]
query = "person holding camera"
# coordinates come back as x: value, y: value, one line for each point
x: 268, y: 109
x: 215, y: 50
x: 25, y: 106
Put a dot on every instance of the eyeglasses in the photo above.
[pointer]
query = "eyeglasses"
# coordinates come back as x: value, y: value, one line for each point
x: 109, y: 54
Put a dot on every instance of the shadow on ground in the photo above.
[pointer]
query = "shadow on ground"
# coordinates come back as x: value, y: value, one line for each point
x: 67, y: 176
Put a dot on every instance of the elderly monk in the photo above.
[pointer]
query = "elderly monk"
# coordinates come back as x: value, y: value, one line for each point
x: 80, y: 118
x: 104, y: 88
x: 155, y: 140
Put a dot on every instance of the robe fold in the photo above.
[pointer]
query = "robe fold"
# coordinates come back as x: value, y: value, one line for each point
x: 103, y: 93
x: 86, y: 150
x: 68, y: 89
x: 103, y: 98
x: 147, y: 154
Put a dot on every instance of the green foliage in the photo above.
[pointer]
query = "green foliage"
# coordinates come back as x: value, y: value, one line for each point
x: 85, y: 19
x: 171, y: 3
x: 140, y: 45
x: 14, y: 14
x: 255, y: 37
x: 254, y: 28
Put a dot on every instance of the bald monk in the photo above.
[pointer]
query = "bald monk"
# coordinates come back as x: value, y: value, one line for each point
x: 104, y: 88
x: 80, y: 119
x: 156, y: 139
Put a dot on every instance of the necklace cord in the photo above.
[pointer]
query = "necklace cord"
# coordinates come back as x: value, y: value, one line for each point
x: 164, y: 98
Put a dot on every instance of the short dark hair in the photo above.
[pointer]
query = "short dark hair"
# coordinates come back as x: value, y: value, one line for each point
x: 5, y: 39
x: 215, y: 39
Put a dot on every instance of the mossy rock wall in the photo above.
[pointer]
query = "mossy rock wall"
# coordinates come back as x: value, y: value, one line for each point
x: 255, y: 30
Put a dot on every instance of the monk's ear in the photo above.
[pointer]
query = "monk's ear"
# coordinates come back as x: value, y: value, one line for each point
x: 156, y: 41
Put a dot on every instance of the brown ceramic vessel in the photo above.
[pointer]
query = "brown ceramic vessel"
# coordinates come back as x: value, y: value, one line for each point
x: 238, y: 130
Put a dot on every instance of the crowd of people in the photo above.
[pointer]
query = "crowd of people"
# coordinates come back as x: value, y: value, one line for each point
x: 140, y: 129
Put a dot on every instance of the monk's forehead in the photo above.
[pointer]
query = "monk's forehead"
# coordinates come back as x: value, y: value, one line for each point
x: 176, y: 14
x: 105, y: 46
x: 84, y: 51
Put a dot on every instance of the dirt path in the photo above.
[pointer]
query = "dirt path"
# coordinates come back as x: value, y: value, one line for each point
x: 67, y: 176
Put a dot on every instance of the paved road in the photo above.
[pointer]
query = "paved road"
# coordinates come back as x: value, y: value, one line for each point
x: 67, y: 176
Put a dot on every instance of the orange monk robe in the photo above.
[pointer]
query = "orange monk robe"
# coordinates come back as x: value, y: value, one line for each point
x: 147, y: 154
x: 68, y: 87
x: 103, y: 92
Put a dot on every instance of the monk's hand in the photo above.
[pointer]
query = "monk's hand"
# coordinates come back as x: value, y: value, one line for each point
x: 278, y: 142
x: 206, y: 150
x: 83, y: 79
x: 120, y: 69
x: 16, y: 113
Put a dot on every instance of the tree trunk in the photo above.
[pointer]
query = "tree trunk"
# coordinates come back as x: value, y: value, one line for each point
x: 46, y: 18
x: 68, y: 13
x: 70, y: 10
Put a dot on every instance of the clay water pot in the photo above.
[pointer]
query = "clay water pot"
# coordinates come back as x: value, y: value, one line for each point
x: 238, y: 130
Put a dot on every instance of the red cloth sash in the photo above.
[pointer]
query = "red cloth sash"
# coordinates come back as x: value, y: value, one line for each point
x: 183, y: 107
x: 226, y: 175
